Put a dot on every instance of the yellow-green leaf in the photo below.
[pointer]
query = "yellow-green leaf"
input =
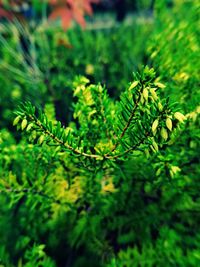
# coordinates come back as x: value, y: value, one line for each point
x: 155, y: 125
x: 179, y: 116
x: 29, y: 127
x: 155, y: 145
x: 153, y: 93
x: 160, y: 107
x: 133, y: 85
x: 164, y: 133
x: 41, y: 139
x: 16, y: 120
x: 160, y: 85
x: 24, y: 124
x: 145, y: 94
x: 169, y: 123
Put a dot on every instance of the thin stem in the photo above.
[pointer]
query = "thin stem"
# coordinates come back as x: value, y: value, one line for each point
x: 59, y: 141
x: 129, y: 121
x: 130, y: 149
x: 102, y: 110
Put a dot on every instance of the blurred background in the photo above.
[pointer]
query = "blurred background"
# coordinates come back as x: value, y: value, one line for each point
x: 44, y: 44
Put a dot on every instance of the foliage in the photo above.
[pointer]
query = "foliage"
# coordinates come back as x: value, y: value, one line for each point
x: 76, y: 168
x: 110, y: 178
x: 138, y: 112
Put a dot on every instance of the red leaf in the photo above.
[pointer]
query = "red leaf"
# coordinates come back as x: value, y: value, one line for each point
x: 5, y: 14
x: 71, y: 9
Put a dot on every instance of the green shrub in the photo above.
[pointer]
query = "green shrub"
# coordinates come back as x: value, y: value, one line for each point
x: 116, y: 182
x: 73, y: 181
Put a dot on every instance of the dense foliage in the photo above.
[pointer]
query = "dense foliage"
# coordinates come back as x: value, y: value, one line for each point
x: 99, y: 167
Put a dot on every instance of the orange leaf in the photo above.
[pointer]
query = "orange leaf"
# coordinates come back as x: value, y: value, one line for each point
x: 71, y: 9
x: 64, y: 14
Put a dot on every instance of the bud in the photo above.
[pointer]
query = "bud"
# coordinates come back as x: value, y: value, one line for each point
x: 160, y: 107
x: 155, y: 125
x: 24, y: 124
x: 142, y: 99
x: 16, y: 120
x: 179, y: 116
x: 41, y: 139
x: 153, y: 93
x: 155, y: 146
x: 169, y: 123
x: 174, y: 170
x: 160, y: 85
x: 164, y: 133
x: 133, y: 85
x: 29, y: 127
x: 145, y: 94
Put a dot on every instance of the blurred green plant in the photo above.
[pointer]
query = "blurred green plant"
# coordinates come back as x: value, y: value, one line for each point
x: 174, y: 50
x: 45, y: 74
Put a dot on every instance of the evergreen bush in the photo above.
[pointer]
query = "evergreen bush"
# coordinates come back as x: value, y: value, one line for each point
x: 77, y: 178
x: 91, y: 177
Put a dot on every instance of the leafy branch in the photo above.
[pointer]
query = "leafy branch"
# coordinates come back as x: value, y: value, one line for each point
x: 144, y: 121
x: 132, y: 114
x: 30, y: 121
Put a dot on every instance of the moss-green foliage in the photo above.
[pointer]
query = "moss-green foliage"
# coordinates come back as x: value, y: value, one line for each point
x: 116, y: 184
